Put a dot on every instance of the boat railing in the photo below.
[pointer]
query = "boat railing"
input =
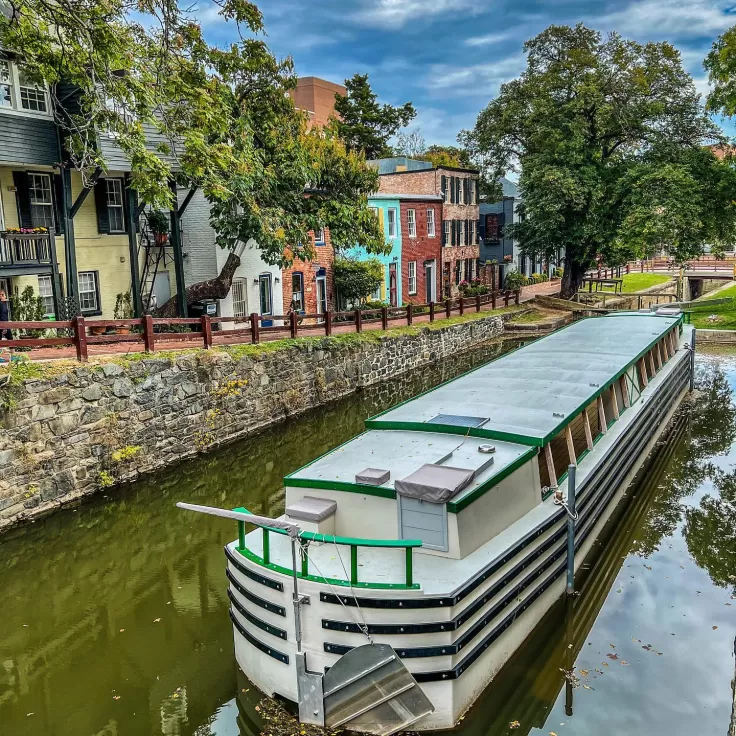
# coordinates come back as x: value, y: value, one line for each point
x: 354, y: 543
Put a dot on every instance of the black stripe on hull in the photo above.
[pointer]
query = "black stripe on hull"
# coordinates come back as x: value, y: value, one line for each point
x: 275, y: 653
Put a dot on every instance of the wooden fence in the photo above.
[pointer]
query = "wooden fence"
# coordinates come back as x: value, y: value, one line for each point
x: 149, y: 331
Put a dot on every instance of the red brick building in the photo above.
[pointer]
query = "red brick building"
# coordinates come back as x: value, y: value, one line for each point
x: 309, y: 285
x: 458, y: 190
x: 421, y: 247
x: 316, y: 97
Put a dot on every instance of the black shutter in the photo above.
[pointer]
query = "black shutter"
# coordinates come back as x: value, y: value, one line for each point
x: 22, y: 198
x: 59, y: 220
x: 103, y: 220
x: 477, y: 193
x: 467, y: 232
x: 126, y: 205
x: 453, y: 231
x: 466, y: 191
x: 443, y: 185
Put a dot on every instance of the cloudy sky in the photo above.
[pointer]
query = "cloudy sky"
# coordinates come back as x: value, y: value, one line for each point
x: 450, y: 56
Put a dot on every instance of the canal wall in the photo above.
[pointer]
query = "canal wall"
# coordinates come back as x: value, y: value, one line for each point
x: 70, y: 431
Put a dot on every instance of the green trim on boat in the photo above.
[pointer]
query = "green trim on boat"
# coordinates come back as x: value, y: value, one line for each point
x: 489, y: 434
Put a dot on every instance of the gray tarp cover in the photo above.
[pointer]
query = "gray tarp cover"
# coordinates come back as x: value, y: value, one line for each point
x: 434, y: 483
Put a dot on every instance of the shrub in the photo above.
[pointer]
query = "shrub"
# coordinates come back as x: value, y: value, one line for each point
x: 514, y: 280
x: 559, y: 272
x: 356, y: 280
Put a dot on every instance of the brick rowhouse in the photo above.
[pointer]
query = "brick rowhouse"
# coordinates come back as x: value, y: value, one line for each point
x: 458, y: 189
x: 421, y: 247
x: 309, y: 285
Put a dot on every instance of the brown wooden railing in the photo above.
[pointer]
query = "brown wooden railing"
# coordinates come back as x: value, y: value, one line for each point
x: 149, y: 331
x: 19, y: 249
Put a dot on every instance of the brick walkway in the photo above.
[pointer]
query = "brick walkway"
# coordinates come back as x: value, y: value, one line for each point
x: 123, y: 348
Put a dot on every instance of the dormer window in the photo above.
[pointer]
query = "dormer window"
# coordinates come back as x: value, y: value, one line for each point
x: 19, y: 93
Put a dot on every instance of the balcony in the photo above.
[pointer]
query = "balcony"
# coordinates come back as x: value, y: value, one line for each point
x: 25, y: 252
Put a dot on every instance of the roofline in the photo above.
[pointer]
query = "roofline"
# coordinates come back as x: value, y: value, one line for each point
x: 434, y: 168
x: 409, y: 197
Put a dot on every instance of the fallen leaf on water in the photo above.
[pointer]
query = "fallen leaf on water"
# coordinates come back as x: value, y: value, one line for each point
x: 624, y: 663
x: 258, y: 708
x: 29, y: 714
x: 246, y: 690
x: 605, y: 664
x: 552, y: 733
x: 587, y: 687
x: 514, y: 724
x: 611, y: 655
x: 121, y: 630
x: 648, y: 567
x: 116, y: 697
x: 613, y: 646
x: 714, y: 627
x: 584, y: 673
x: 156, y: 620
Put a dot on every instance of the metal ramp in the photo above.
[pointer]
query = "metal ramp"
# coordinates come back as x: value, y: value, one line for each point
x: 370, y: 690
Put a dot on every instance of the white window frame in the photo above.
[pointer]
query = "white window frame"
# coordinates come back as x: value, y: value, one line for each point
x: 461, y: 233
x: 46, y: 292
x: 319, y: 236
x: 117, y: 184
x: 411, y: 222
x: 473, y: 226
x: 430, y: 224
x: 411, y: 271
x: 242, y: 298
x: 95, y: 291
x: 16, y: 97
x: 448, y: 233
x: 391, y: 219
x: 50, y: 204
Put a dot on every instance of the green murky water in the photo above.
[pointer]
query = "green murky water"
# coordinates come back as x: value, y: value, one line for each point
x: 114, y: 615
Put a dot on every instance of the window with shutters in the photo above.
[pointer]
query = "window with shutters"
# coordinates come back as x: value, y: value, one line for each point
x: 443, y: 184
x: 391, y: 222
x: 492, y: 227
x: 463, y: 191
x: 89, y: 296
x: 458, y: 271
x: 46, y: 293
x: 473, y: 225
x: 446, y: 234
x: 461, y: 236
x: 42, y: 204
x: 297, y: 291
x: 411, y: 221
x: 19, y: 93
x: 240, y: 298
x: 115, y: 213
x: 412, y: 272
x: 430, y: 223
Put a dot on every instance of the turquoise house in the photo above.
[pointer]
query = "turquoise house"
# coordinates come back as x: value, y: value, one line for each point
x: 388, y: 212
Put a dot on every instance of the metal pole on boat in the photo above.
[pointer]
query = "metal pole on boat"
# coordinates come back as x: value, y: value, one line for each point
x: 570, y: 529
x: 297, y: 602
x: 692, y: 361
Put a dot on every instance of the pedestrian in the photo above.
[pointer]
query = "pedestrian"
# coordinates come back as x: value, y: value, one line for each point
x: 5, y: 334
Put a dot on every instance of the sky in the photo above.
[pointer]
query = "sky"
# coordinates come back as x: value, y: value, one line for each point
x: 449, y: 57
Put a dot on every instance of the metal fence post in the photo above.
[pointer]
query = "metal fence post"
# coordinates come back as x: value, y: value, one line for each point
x: 570, y: 529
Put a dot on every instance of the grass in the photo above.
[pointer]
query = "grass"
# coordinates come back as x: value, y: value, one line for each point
x: 530, y: 317
x: 640, y: 281
x: 730, y: 291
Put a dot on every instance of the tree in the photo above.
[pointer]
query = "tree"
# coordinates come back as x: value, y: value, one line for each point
x: 410, y: 144
x: 721, y: 67
x: 609, y: 136
x: 447, y: 156
x: 356, y: 280
x: 229, y: 125
x: 362, y: 123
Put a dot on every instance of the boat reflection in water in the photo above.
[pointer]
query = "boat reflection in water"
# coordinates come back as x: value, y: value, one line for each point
x: 529, y: 685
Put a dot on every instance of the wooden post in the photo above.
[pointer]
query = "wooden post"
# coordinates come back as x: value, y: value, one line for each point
x: 642, y: 266
x: 462, y: 305
x: 384, y: 318
x: 292, y: 323
x: 602, y: 415
x: 80, y: 333
x: 148, y: 339
x: 358, y: 321
x: 624, y: 391
x: 207, y: 330
x: 493, y: 300
x: 628, y: 269
x: 409, y: 313
x: 570, y: 446
x: 550, y: 464
x: 254, y: 331
x: 588, y: 433
x: 506, y: 298
x: 448, y: 307
x: 477, y: 302
x: 431, y: 311
x: 614, y: 401
x: 328, y: 323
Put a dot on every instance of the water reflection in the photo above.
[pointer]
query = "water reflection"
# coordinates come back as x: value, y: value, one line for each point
x: 114, y: 615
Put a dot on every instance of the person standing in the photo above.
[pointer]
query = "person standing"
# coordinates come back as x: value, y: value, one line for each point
x: 5, y: 334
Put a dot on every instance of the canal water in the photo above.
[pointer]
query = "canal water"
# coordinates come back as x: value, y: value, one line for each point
x: 114, y: 614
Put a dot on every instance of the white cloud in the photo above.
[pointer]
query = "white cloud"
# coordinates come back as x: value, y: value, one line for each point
x: 489, y: 39
x: 396, y: 13
x: 656, y: 19
x: 481, y: 80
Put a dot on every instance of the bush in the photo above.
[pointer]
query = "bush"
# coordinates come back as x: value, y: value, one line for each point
x: 515, y: 280
x: 559, y: 272
x: 356, y: 280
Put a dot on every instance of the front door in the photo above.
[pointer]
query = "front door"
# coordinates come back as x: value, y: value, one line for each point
x: 266, y: 298
x: 321, y: 294
x: 430, y: 281
x: 392, y: 285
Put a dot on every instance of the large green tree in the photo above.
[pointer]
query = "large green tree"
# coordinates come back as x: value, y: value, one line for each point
x: 365, y: 125
x: 143, y: 71
x: 609, y: 138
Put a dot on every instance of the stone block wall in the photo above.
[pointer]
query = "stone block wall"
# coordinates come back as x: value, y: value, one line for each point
x: 77, y: 432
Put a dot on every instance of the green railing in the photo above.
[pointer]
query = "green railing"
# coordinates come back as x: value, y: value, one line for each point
x: 306, y: 538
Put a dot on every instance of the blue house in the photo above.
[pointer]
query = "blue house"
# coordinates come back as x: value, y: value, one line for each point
x: 388, y: 212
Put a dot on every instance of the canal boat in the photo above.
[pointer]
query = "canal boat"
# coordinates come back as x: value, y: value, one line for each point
x: 439, y: 536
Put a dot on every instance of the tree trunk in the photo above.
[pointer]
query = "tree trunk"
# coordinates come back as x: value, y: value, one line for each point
x: 217, y: 288
x: 572, y: 278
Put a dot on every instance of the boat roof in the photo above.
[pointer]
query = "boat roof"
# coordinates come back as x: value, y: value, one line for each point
x: 529, y: 395
x: 403, y: 452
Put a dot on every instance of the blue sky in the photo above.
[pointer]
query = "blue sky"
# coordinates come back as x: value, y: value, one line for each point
x: 449, y: 57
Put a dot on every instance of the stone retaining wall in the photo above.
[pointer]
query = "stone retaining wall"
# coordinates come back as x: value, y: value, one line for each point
x: 91, y: 427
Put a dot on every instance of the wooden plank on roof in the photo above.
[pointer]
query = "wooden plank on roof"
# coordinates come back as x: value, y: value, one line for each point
x: 602, y: 415
x: 570, y: 445
x: 588, y: 433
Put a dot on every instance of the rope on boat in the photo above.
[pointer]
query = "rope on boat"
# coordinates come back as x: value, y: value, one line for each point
x: 363, y: 627
x: 559, y: 501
